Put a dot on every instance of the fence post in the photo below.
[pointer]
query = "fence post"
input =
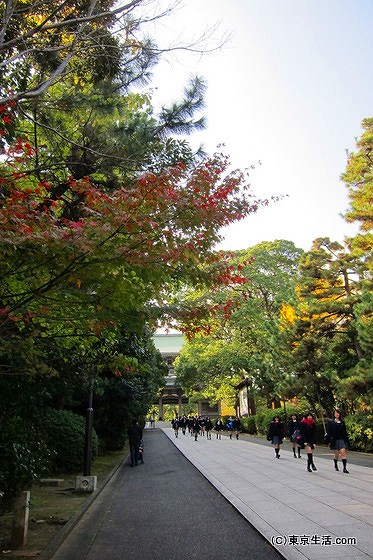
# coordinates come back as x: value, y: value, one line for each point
x: 20, y: 520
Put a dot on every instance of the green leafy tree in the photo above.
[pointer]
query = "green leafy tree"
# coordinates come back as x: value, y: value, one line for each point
x: 104, y: 209
x: 238, y: 333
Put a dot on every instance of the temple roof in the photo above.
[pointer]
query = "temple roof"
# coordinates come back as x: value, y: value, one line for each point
x: 169, y: 343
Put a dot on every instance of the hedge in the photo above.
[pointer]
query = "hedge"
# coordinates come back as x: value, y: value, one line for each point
x: 64, y: 433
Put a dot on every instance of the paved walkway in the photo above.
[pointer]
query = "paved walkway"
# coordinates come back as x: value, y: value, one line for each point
x: 162, y: 510
x: 166, y: 509
x: 302, y: 514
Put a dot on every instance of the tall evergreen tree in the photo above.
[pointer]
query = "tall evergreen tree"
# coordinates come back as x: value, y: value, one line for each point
x: 358, y: 177
x: 325, y: 343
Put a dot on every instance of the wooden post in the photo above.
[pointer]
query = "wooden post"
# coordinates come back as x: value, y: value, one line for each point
x: 20, y: 520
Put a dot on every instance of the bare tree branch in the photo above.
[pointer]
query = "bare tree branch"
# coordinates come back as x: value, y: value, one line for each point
x: 82, y: 22
x: 26, y: 47
x: 68, y: 22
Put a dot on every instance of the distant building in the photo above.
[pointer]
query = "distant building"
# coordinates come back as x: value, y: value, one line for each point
x: 169, y: 345
x: 246, y: 404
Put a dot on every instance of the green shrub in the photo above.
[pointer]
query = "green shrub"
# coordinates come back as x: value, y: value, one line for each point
x: 24, y: 457
x: 113, y: 412
x: 259, y: 422
x: 249, y: 425
x: 64, y: 433
x: 264, y: 418
x: 360, y: 432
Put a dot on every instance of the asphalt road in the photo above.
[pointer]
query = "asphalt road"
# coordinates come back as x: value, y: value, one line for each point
x: 163, y: 510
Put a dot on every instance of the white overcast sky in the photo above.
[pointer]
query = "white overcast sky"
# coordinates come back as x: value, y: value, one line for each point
x: 289, y: 89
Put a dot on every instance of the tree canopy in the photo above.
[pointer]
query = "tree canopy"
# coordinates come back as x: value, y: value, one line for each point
x: 238, y: 336
x: 105, y: 210
x: 109, y: 222
x: 300, y: 324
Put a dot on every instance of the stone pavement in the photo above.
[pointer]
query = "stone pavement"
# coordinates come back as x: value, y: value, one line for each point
x: 319, y: 515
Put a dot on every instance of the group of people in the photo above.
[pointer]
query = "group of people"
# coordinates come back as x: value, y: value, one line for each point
x: 196, y: 425
x: 200, y: 425
x: 233, y: 426
x: 302, y: 434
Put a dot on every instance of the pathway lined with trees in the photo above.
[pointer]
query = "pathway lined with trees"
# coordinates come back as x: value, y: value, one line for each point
x: 109, y: 221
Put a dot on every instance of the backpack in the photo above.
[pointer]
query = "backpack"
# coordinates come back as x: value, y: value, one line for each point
x: 297, y: 436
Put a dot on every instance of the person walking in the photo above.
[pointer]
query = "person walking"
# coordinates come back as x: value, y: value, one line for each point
x: 190, y: 425
x: 196, y: 428
x: 276, y: 434
x: 218, y: 427
x: 236, y: 426
x: 208, y: 427
x: 229, y: 426
x: 308, y: 430
x: 202, y: 425
x: 183, y: 425
x: 294, y: 434
x: 175, y: 425
x: 134, y: 438
x: 337, y: 438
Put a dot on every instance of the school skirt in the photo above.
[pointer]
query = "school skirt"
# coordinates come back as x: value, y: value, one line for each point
x: 339, y: 444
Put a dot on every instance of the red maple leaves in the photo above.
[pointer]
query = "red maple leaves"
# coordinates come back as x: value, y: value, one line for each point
x: 171, y: 219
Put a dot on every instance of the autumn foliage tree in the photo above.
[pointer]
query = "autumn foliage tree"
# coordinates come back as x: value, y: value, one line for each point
x: 104, y: 209
x: 98, y: 195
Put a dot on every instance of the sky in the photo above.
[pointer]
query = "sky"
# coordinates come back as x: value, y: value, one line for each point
x: 289, y: 89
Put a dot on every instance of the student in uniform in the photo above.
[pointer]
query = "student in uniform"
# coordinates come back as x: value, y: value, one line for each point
x: 218, y: 428
x: 293, y: 432
x: 276, y: 434
x: 308, y: 429
x: 208, y: 427
x: 337, y: 438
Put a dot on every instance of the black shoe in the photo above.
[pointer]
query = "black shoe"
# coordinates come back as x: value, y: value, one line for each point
x: 309, y: 469
x: 336, y: 467
x: 346, y: 471
x: 314, y: 467
x: 299, y: 456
